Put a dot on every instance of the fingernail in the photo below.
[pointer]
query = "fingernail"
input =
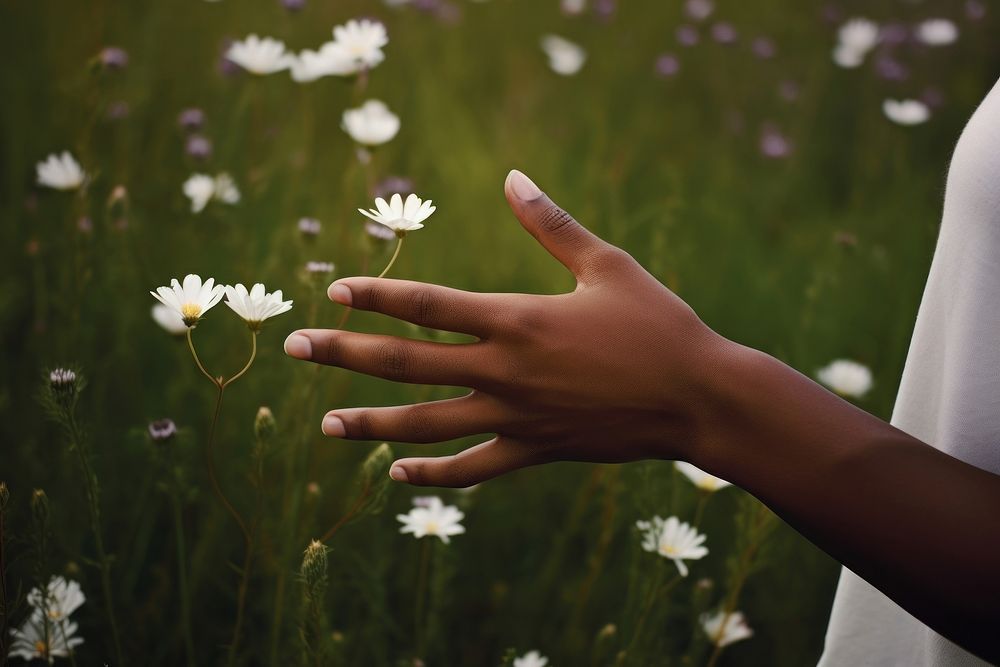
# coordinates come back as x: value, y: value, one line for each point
x: 298, y: 346
x: 523, y: 187
x: 333, y: 426
x: 340, y: 293
x: 398, y: 474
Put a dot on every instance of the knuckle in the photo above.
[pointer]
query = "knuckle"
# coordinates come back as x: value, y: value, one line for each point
x: 424, y: 306
x: 332, y: 349
x: 372, y: 298
x: 555, y: 220
x: 420, y: 426
x: 362, y: 426
x: 394, y: 361
x: 612, y: 258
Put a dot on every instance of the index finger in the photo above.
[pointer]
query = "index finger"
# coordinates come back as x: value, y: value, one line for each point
x: 420, y: 303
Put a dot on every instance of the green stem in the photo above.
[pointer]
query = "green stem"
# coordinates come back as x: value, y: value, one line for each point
x: 399, y: 245
x: 183, y: 579
x: 201, y: 367
x: 654, y: 592
x: 700, y: 510
x: 418, y: 612
x: 93, y: 502
x: 253, y: 355
x: 241, y: 601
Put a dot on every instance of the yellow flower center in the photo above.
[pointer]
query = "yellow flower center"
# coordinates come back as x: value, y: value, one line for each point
x: 668, y: 550
x: 54, y: 614
x: 432, y: 527
x: 190, y: 311
x: 41, y: 648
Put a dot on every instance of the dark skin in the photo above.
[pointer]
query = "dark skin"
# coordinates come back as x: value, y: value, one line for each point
x: 621, y: 369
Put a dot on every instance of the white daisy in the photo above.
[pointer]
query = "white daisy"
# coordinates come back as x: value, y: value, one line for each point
x: 906, y: 112
x: 846, y: 377
x: 565, y: 57
x: 371, y: 124
x: 260, y: 56
x: 60, y: 172
x: 433, y: 518
x: 700, y: 478
x: 201, y: 189
x: 256, y: 305
x: 311, y: 65
x: 358, y: 44
x: 46, y: 640
x: 400, y: 217
x: 169, y: 319
x: 846, y: 57
x: 192, y: 299
x: 735, y: 629
x: 937, y: 32
x: 531, y: 659
x: 672, y: 539
x: 62, y: 599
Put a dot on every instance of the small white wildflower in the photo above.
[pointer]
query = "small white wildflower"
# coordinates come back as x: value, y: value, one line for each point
x: 357, y: 45
x: 432, y: 518
x: 937, y: 32
x: 255, y: 305
x: 846, y: 377
x: 531, y: 659
x: 700, y: 478
x: 169, y: 319
x: 201, y: 189
x: 260, y: 56
x: 735, y: 629
x: 400, y: 217
x: 371, y: 124
x: 192, y: 299
x: 672, y: 539
x: 906, y: 112
x: 565, y: 57
x: 60, y: 172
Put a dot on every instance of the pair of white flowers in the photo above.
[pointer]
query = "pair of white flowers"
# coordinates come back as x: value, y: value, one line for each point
x: 201, y: 189
x: 565, y: 57
x: 859, y: 36
x: 193, y: 298
x: 356, y: 46
x: 48, y: 633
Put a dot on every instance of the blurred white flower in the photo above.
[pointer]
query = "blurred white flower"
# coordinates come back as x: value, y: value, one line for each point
x: 906, y: 112
x: 433, y: 518
x: 400, y: 217
x: 531, y: 659
x: 371, y: 124
x: 192, y: 299
x: 329, y: 60
x: 38, y: 639
x: 565, y: 57
x: 256, y: 305
x: 859, y: 34
x: 735, y: 629
x: 699, y: 10
x: 60, y: 172
x: 169, y: 319
x: 700, y: 478
x: 260, y: 56
x: 201, y: 189
x: 937, y: 32
x: 573, y: 7
x: 847, y: 378
x: 62, y: 599
x: 855, y: 39
x: 672, y: 539
x: 357, y: 45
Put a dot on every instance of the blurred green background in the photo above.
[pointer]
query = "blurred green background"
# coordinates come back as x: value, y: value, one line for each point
x: 814, y: 253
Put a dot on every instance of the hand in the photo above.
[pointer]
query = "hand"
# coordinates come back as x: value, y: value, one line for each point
x: 612, y: 372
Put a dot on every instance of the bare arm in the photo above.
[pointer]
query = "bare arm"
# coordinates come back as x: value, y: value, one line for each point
x: 621, y: 369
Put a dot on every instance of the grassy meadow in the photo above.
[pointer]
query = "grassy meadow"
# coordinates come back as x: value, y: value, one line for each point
x: 768, y: 189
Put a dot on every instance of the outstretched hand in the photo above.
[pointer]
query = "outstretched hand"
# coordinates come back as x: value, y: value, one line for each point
x: 612, y: 371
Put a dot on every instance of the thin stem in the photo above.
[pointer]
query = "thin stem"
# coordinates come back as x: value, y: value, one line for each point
x: 700, y: 510
x: 418, y: 612
x: 399, y: 245
x: 241, y: 601
x: 253, y: 355
x: 654, y: 592
x: 201, y: 367
x: 183, y: 579
x: 362, y: 497
x: 210, y: 463
x: 93, y: 501
x: 4, y: 610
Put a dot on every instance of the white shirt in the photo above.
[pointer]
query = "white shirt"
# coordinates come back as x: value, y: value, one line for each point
x: 950, y: 392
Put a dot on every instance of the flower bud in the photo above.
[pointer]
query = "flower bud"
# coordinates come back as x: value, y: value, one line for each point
x: 113, y: 57
x: 313, y: 571
x: 40, y: 507
x: 264, y: 425
x: 64, y: 387
x: 309, y: 227
x: 198, y: 146
x: 191, y: 119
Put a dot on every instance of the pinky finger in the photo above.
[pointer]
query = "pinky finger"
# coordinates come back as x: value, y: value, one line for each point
x: 471, y: 466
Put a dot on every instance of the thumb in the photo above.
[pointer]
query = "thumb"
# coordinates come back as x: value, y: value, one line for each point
x: 565, y: 238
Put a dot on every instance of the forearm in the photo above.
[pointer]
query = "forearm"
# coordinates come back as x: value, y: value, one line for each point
x: 921, y: 526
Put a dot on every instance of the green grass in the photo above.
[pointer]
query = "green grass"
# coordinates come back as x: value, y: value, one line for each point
x: 668, y: 169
